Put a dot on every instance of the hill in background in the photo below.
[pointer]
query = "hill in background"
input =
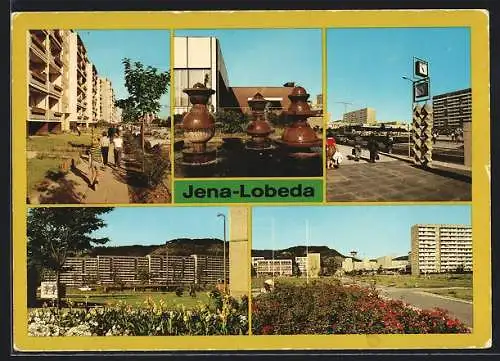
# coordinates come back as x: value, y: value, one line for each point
x: 174, y: 247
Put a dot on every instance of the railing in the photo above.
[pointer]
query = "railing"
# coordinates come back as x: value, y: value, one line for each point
x: 55, y: 115
x: 37, y: 113
x: 55, y: 89
x: 38, y: 43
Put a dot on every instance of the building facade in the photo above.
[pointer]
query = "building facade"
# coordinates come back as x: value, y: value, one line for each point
x: 452, y: 109
x: 360, y: 116
x: 275, y: 267
x: 440, y: 248
x: 63, y: 85
x: 197, y: 59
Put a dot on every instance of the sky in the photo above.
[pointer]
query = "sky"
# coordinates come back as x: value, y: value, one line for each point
x: 366, y: 66
x: 128, y: 226
x: 270, y: 57
x: 107, y: 48
x: 373, y: 231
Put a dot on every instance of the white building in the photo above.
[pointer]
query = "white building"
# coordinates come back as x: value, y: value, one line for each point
x: 440, y: 248
x: 195, y: 58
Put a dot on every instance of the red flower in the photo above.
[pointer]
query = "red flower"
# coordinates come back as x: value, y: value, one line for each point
x: 267, y: 330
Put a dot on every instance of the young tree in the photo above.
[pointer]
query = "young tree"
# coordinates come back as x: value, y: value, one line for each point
x: 54, y: 234
x: 145, y: 85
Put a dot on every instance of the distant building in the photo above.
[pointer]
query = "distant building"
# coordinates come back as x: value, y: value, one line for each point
x: 276, y: 267
x: 452, y: 109
x: 349, y: 265
x: 389, y: 263
x: 255, y: 260
x: 440, y: 248
x: 360, y: 116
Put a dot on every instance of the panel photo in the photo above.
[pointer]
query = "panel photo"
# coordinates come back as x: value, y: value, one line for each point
x: 401, y: 104
x: 98, y: 127
x: 362, y: 270
x: 248, y: 103
x: 135, y: 271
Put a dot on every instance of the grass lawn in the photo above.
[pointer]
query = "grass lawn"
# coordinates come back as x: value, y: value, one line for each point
x: 134, y: 298
x: 38, y: 168
x: 58, y: 142
x: 409, y: 281
x: 462, y: 293
x: 50, y: 150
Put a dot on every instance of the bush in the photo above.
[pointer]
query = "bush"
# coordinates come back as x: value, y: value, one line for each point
x: 150, y: 319
x: 230, y: 122
x: 179, y: 291
x: 322, y: 308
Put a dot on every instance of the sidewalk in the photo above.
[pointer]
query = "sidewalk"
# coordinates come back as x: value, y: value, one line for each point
x: 112, y: 187
x: 393, y: 179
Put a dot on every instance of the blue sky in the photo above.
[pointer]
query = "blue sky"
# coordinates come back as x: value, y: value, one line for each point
x: 373, y: 231
x: 107, y: 48
x: 270, y: 57
x: 365, y: 67
x: 156, y: 225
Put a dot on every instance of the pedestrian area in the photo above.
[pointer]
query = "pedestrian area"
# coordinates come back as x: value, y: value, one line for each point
x: 390, y: 179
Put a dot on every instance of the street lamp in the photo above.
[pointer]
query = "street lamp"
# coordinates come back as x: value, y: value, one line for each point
x: 224, y: 246
x: 412, y: 99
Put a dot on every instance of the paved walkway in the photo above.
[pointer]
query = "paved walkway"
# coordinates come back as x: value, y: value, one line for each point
x: 74, y: 187
x: 390, y: 179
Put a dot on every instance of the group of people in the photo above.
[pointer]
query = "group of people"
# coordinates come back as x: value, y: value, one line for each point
x: 112, y: 136
x: 334, y: 156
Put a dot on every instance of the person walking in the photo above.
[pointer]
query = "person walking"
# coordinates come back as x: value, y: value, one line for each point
x: 373, y: 148
x: 117, y: 148
x: 390, y: 143
x: 356, y: 151
x: 104, y: 143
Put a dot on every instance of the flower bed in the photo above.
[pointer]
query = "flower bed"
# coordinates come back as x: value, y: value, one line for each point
x: 324, y: 308
x: 230, y: 317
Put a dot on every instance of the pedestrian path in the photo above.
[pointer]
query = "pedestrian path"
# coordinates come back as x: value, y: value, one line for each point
x: 112, y: 186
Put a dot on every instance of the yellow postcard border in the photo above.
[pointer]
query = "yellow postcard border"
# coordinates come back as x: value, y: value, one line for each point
x: 476, y: 20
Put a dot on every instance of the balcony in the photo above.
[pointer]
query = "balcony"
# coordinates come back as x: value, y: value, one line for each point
x: 36, y: 52
x: 37, y: 113
x: 55, y: 42
x: 39, y: 80
x: 55, y: 115
x: 55, y: 89
x: 54, y: 68
x: 38, y: 42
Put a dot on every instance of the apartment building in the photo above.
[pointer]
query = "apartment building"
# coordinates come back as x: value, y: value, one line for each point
x: 107, y: 108
x: 45, y: 67
x: 360, y: 116
x: 64, y: 86
x: 440, y: 248
x: 452, y: 109
x: 276, y: 267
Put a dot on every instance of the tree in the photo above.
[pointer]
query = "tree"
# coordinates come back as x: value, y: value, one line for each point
x: 54, y: 234
x: 145, y: 85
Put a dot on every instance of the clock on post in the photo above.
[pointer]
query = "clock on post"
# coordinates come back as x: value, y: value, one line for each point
x: 421, y: 68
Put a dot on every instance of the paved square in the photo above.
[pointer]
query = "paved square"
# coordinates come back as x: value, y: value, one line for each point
x: 392, y: 180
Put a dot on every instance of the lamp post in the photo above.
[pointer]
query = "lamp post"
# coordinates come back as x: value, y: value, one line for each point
x: 224, y: 246
x: 412, y: 100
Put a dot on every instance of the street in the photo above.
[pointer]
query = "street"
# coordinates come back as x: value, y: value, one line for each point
x: 390, y: 179
x: 424, y: 300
